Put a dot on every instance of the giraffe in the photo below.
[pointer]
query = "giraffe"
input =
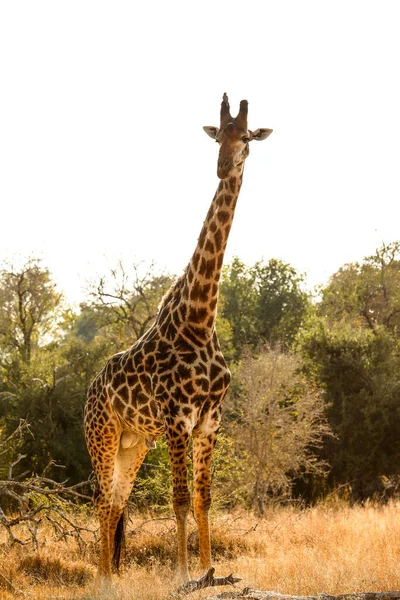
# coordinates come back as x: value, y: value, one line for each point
x: 173, y: 379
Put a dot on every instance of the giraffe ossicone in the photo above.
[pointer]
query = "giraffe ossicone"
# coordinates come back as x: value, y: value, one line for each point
x: 174, y: 378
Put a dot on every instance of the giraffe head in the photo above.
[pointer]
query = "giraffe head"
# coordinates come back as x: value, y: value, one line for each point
x: 233, y: 137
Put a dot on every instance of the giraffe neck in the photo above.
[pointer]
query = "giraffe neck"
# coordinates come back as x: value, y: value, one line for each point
x: 201, y: 280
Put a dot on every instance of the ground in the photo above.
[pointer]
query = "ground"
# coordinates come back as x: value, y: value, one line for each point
x: 333, y: 549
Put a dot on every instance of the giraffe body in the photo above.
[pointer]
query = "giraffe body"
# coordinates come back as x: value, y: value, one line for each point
x: 174, y: 378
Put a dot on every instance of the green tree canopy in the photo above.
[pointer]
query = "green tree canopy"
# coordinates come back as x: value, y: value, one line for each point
x: 359, y: 370
x: 366, y: 293
x: 263, y: 303
x: 29, y: 307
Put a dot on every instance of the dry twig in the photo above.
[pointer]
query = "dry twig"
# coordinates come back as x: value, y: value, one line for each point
x: 208, y: 580
x: 39, y: 499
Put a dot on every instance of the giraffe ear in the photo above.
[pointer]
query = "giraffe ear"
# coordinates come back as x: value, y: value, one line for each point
x: 211, y: 131
x: 260, y: 134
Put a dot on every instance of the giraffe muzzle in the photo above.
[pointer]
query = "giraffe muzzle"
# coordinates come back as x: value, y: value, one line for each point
x: 224, y: 168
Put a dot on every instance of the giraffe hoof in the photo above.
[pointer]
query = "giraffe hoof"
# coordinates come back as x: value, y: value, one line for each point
x: 103, y: 587
x: 182, y: 578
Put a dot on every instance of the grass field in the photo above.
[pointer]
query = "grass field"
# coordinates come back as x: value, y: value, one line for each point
x: 324, y: 549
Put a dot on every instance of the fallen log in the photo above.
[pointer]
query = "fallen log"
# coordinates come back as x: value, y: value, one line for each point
x: 249, y: 594
x: 208, y: 580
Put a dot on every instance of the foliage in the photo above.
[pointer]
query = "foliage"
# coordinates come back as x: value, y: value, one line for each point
x: 29, y: 305
x: 50, y: 392
x: 366, y: 294
x: 49, y: 389
x: 359, y: 370
x: 263, y: 303
x: 224, y: 332
x: 153, y: 486
x: 337, y: 359
x: 276, y: 422
x: 9, y: 446
x: 351, y: 349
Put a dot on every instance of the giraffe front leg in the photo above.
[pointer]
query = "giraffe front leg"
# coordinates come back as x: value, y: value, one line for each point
x: 203, y: 447
x: 177, y: 449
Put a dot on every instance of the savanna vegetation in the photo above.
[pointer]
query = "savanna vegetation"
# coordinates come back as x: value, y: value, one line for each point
x: 313, y: 411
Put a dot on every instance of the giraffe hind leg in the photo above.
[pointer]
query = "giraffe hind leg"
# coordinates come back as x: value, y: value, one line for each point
x: 127, y: 465
x: 116, y: 468
x: 103, y: 501
x: 103, y: 449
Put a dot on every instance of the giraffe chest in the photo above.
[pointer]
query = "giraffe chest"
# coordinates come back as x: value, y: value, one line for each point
x: 159, y: 380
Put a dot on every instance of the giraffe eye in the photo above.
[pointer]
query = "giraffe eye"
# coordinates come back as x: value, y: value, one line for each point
x: 245, y: 139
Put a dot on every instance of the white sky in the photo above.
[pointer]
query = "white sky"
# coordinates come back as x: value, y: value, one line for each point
x: 102, y: 152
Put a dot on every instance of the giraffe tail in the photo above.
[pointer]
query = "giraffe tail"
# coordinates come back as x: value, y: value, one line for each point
x: 119, y: 540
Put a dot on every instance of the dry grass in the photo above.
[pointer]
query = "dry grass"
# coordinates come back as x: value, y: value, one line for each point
x: 335, y: 550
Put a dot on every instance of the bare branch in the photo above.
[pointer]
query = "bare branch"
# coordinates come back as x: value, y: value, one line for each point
x: 23, y: 427
x: 129, y: 298
x: 15, y: 462
x: 53, y: 501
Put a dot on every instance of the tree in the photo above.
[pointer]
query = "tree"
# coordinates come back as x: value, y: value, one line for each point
x: 29, y: 308
x: 359, y: 370
x: 238, y: 290
x: 263, y: 303
x: 44, y: 371
x: 366, y: 294
x: 126, y: 301
x: 351, y: 350
x: 50, y: 393
x: 276, y: 420
x: 283, y: 303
